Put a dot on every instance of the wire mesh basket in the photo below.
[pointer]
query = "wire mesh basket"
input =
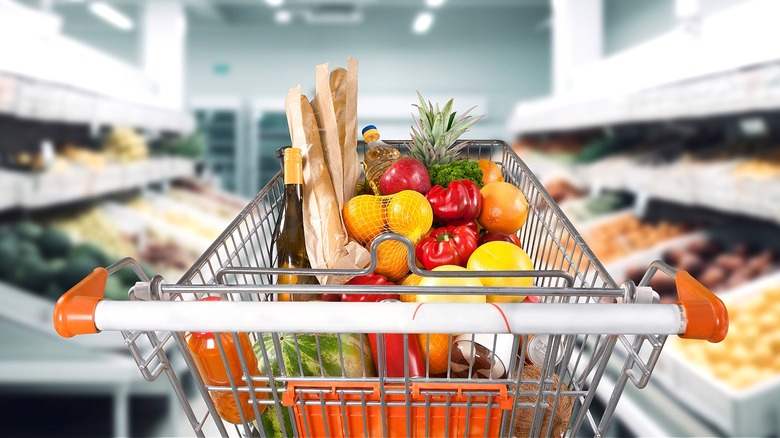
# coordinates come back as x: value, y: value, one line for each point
x: 310, y: 370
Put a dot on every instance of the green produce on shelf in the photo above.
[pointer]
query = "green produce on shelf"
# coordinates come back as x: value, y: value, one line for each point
x: 27, y: 230
x: 75, y: 270
x: 115, y: 289
x: 191, y: 146
x: 54, y: 243
x: 25, y: 248
x: 32, y: 274
x: 93, y: 252
x: 8, y: 257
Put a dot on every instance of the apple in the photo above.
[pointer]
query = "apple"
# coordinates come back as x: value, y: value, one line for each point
x: 405, y: 174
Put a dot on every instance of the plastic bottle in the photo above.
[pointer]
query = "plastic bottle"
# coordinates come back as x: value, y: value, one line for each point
x: 378, y: 158
x: 212, y: 370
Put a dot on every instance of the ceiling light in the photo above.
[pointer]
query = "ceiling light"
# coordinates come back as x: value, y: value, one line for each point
x: 111, y: 15
x: 434, y: 3
x: 423, y: 22
x: 274, y: 3
x: 283, y: 17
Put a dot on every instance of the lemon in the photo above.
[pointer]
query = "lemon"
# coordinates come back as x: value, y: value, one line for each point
x: 502, y: 256
x: 450, y: 281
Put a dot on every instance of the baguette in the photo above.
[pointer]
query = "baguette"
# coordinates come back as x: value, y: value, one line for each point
x: 349, y: 154
x: 338, y: 90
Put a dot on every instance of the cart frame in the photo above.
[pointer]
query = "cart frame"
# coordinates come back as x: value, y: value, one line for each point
x: 584, y: 312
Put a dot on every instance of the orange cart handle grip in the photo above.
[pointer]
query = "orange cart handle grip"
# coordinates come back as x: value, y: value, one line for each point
x: 74, y: 313
x: 705, y: 314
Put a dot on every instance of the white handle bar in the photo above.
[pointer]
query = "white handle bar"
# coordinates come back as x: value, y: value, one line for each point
x: 344, y: 317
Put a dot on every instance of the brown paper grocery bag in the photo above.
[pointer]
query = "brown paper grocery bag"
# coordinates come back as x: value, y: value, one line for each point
x: 325, y: 114
x: 327, y: 243
x: 348, y: 121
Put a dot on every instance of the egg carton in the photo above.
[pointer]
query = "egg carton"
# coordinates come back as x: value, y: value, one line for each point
x: 753, y: 411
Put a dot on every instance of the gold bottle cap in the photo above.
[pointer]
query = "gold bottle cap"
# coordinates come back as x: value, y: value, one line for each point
x: 293, y: 166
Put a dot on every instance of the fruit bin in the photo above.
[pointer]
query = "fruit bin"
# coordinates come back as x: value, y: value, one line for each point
x: 310, y: 374
x: 748, y: 411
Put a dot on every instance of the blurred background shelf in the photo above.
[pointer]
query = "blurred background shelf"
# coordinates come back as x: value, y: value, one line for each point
x: 77, y: 183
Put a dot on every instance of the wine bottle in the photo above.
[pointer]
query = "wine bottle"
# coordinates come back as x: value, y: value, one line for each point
x: 290, y: 243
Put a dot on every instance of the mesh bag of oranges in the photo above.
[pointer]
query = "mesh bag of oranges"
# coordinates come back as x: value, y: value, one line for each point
x: 407, y: 213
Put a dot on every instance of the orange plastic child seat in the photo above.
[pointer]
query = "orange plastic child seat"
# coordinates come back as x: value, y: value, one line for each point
x: 314, y: 421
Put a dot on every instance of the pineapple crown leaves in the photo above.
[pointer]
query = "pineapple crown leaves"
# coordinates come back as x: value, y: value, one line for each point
x: 436, y: 130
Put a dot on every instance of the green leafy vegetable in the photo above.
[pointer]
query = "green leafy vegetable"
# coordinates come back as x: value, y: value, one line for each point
x: 442, y: 174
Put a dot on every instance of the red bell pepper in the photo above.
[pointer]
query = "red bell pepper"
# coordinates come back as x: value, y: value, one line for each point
x: 460, y: 200
x: 471, y: 224
x: 368, y: 280
x: 447, y: 246
x: 392, y: 360
x: 394, y: 354
x: 492, y: 236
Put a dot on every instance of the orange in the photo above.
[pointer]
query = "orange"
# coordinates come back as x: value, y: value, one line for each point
x: 392, y: 260
x: 439, y: 355
x: 504, y: 208
x: 502, y: 256
x: 438, y: 358
x: 364, y: 217
x: 409, y: 214
x: 410, y: 280
x: 491, y: 171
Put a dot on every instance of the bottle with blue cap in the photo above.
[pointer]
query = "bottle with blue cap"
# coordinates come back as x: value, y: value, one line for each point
x: 379, y: 157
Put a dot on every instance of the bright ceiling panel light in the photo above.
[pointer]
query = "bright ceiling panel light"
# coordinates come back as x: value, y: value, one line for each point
x: 423, y: 22
x: 111, y: 15
x: 283, y: 17
x: 274, y: 3
x: 434, y: 3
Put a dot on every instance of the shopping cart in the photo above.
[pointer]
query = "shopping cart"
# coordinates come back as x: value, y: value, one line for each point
x: 584, y: 320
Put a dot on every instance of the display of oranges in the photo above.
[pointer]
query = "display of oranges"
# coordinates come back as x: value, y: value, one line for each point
x: 364, y: 217
x: 502, y: 256
x: 504, y: 208
x: 491, y: 171
x: 409, y: 214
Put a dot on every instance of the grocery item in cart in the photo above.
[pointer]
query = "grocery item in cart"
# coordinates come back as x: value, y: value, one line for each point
x: 502, y: 256
x: 552, y: 424
x: 378, y: 158
x: 481, y: 356
x: 290, y: 239
x: 504, y: 208
x: 435, y: 131
x: 327, y: 242
x: 396, y: 354
x: 207, y: 356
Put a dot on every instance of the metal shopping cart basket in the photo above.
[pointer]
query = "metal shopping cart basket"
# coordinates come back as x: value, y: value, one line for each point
x: 304, y: 381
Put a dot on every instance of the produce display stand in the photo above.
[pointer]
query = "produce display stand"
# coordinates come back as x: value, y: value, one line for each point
x: 584, y: 312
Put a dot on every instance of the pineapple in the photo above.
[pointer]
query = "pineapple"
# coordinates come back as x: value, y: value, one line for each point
x: 434, y: 136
